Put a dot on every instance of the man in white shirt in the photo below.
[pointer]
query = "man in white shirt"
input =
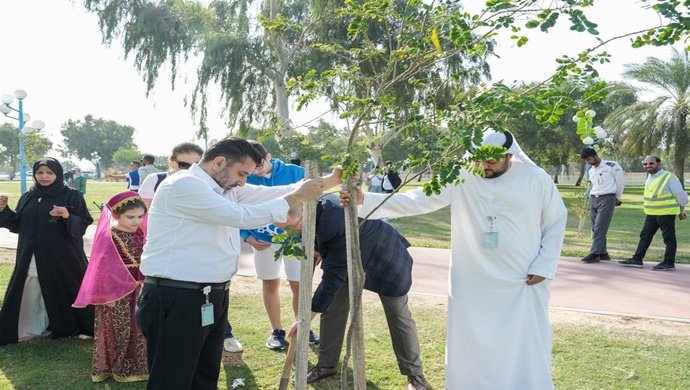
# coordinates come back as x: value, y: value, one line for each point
x: 375, y: 180
x: 508, y: 229
x: 191, y: 254
x: 608, y: 182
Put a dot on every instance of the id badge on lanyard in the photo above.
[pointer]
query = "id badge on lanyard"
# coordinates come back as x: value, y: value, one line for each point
x: 491, y: 237
x: 206, y: 309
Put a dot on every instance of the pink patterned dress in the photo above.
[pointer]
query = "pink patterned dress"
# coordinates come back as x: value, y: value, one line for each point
x: 119, y: 347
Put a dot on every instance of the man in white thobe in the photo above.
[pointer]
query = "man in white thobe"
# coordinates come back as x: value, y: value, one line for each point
x: 507, y: 230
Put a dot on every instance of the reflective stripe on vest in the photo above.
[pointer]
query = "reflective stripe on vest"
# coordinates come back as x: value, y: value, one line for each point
x: 656, y: 203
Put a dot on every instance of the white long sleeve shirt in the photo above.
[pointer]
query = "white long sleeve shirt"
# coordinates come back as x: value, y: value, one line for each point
x: 192, y: 222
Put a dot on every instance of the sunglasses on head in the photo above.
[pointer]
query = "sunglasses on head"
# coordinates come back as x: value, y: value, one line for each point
x: 182, y: 164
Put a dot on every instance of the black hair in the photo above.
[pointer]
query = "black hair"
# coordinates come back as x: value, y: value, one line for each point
x: 588, y: 152
x: 148, y: 158
x: 137, y: 163
x: 132, y: 204
x: 234, y: 149
x: 260, y: 148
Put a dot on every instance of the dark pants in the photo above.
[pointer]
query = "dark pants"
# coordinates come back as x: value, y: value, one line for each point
x: 652, y: 223
x: 181, y: 353
x: 600, y: 213
x: 401, y: 326
x: 228, y: 330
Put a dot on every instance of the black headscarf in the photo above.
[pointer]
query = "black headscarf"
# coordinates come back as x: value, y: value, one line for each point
x: 39, y: 191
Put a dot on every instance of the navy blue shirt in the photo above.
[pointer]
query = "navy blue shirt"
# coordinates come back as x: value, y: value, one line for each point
x: 385, y: 259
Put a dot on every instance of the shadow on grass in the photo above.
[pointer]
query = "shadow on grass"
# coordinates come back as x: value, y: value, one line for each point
x: 235, y: 367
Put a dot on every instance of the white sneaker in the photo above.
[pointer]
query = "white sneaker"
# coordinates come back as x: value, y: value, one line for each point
x: 232, y: 345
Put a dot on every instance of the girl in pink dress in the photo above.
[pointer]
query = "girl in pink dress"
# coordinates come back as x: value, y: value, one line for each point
x: 112, y: 284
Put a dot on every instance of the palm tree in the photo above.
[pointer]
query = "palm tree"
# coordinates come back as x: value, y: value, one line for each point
x: 661, y: 123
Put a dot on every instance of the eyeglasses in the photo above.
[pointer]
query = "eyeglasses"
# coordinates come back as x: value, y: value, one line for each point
x: 182, y: 164
x: 648, y: 163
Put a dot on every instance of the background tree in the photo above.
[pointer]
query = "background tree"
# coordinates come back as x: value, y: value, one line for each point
x: 553, y: 146
x: 661, y: 123
x: 247, y: 49
x: 83, y: 137
x: 36, y: 145
x: 124, y: 156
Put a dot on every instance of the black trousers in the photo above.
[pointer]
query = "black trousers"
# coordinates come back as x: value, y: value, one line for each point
x: 652, y: 223
x: 181, y: 353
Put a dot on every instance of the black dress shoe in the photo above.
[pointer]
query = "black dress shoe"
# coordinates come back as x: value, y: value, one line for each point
x: 591, y: 258
x: 317, y: 373
x: 604, y: 256
x: 416, y: 382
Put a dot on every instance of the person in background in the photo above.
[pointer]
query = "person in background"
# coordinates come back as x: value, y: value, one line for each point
x: 112, y: 283
x: 664, y: 199
x: 388, y: 268
x: 608, y: 182
x: 375, y: 180
x: 273, y: 172
x: 79, y: 181
x: 183, y: 155
x: 147, y: 168
x: 391, y: 179
x: 508, y: 229
x: 51, y: 220
x: 69, y: 177
x: 132, y: 177
x: 190, y: 256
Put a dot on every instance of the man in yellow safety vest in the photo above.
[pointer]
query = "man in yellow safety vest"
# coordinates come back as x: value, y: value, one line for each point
x: 664, y: 198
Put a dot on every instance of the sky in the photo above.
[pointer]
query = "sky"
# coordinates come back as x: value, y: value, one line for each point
x: 52, y: 49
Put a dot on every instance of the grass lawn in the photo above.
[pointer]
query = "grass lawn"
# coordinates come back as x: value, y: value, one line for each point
x: 590, y: 352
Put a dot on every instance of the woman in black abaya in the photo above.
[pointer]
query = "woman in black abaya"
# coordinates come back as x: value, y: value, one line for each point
x: 51, y: 220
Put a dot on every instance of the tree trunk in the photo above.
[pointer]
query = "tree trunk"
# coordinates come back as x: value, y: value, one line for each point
x: 305, y: 285
x: 681, y: 145
x: 355, y: 342
x: 278, y: 77
x: 582, y: 173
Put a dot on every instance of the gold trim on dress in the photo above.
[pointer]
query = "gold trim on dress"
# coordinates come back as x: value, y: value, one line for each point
x: 124, y: 248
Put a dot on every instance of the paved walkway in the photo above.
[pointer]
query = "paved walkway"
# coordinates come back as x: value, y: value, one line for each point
x: 604, y: 287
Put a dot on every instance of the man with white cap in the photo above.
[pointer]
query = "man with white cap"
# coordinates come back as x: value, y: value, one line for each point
x: 507, y: 230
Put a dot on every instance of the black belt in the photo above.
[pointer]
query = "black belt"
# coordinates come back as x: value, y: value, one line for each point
x: 602, y: 195
x: 182, y: 284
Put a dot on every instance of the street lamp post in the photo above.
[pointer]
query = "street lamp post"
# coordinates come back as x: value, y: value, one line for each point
x: 96, y: 159
x: 23, y: 118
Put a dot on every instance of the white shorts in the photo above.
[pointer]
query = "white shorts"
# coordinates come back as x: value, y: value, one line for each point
x: 267, y: 268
